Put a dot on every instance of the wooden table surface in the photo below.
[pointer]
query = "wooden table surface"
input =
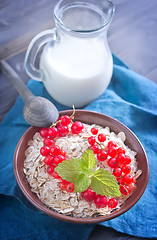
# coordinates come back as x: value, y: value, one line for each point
x: 132, y: 37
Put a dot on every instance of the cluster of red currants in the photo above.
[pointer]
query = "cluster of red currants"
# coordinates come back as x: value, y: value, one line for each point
x: 116, y: 159
x: 62, y: 128
x: 52, y: 153
x: 100, y: 201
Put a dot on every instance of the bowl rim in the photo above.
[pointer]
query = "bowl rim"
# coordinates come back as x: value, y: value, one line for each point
x: 71, y: 219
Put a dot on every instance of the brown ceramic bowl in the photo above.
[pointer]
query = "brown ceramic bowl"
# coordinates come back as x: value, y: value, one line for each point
x: 90, y: 118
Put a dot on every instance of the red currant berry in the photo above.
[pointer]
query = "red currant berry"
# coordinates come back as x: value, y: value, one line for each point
x: 132, y: 187
x: 48, y: 160
x: 101, y: 137
x: 91, y: 140
x: 48, y: 142
x: 120, y: 150
x: 94, y: 131
x: 120, y: 181
x: 112, y: 162
x: 53, y: 132
x: 50, y: 169
x: 58, y: 159
x: 44, y: 150
x: 111, y: 144
x: 63, y: 131
x: 95, y: 149
x: 112, y: 151
x: 63, y: 186
x: 59, y: 122
x: 66, y: 120
x: 127, y: 160
x: 126, y: 169
x: 88, y: 195
x: 100, y: 201
x: 64, y: 181
x: 112, y: 203
x: 55, y: 150
x: 44, y: 132
x: 128, y: 189
x: 56, y: 175
x: 77, y: 127
x: 124, y: 190
x: 63, y: 153
x: 102, y: 155
x: 121, y: 158
x: 117, y: 172
x: 70, y: 187
x: 128, y: 178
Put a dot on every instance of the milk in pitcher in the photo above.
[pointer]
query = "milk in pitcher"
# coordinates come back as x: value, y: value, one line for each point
x: 76, y: 63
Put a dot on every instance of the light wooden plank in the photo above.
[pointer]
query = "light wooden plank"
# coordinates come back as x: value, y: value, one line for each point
x: 20, y: 21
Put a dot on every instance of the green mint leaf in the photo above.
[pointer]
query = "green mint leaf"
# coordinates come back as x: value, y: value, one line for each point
x: 82, y: 183
x: 71, y: 169
x: 104, y: 183
x: 89, y: 157
x: 89, y: 171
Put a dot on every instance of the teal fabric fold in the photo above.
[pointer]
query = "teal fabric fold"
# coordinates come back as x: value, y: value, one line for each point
x: 131, y: 99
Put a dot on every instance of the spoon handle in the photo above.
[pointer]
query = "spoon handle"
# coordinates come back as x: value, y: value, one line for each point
x: 15, y: 80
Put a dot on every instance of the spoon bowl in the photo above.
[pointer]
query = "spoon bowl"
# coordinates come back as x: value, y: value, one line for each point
x: 39, y: 111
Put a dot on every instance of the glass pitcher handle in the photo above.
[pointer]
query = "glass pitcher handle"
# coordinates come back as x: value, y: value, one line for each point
x: 34, y: 47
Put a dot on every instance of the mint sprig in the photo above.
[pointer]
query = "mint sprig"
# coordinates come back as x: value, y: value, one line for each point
x: 81, y: 173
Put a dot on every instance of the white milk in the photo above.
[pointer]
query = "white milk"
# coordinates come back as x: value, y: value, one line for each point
x: 76, y: 70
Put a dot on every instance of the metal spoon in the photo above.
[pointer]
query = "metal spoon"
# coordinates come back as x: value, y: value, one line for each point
x: 38, y: 111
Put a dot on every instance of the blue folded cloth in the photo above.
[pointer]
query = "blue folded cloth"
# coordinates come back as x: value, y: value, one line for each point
x: 131, y: 99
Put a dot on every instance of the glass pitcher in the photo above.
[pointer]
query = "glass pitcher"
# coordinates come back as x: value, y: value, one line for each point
x: 76, y: 63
